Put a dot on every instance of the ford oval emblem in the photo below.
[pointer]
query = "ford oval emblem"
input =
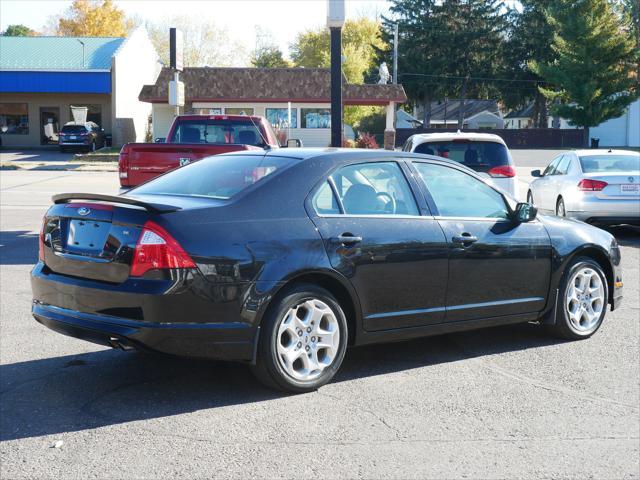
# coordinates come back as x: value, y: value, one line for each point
x: 84, y: 211
x: 631, y: 179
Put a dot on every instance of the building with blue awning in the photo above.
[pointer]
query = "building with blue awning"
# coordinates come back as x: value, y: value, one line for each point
x: 41, y: 78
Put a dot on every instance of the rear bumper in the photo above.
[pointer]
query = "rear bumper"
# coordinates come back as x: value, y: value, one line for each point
x: 189, y: 318
x: 591, y: 209
x: 221, y: 341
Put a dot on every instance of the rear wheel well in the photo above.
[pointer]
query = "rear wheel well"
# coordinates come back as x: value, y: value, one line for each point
x: 336, y: 289
x: 601, y: 259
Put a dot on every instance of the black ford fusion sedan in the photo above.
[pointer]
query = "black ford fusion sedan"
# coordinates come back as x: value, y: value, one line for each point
x: 284, y: 258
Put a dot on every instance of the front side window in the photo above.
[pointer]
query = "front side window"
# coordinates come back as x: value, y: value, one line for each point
x: 551, y: 168
x: 315, y: 117
x: 563, y: 166
x: 457, y: 194
x: 219, y: 177
x: 374, y: 189
x: 14, y: 118
x: 279, y: 117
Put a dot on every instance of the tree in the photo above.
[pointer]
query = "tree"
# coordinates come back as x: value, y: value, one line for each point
x: 205, y: 43
x: 529, y: 38
x: 18, y: 31
x: 360, y: 40
x: 447, y: 48
x: 632, y: 8
x: 87, y: 18
x: 593, y: 73
x: 267, y: 54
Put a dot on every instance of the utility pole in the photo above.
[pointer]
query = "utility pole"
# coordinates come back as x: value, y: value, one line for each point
x: 335, y: 21
x: 395, y: 54
x: 82, y: 43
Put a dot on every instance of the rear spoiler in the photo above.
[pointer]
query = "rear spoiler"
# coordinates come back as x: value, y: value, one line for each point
x: 150, y: 207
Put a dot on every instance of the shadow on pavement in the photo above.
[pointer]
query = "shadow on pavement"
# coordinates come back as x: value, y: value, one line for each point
x: 79, y: 392
x: 626, y: 235
x: 19, y: 247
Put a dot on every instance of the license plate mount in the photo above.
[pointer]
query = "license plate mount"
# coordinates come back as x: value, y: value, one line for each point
x: 630, y: 189
x: 87, y: 236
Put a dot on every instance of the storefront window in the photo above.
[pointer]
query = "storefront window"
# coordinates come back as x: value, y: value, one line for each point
x: 316, y: 117
x: 278, y: 117
x: 94, y: 113
x: 14, y: 118
x: 239, y: 111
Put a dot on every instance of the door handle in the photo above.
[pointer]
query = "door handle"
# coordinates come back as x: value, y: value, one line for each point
x: 464, y: 238
x: 347, y: 239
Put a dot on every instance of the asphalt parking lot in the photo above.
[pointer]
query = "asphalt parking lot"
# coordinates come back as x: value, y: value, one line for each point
x: 497, y: 403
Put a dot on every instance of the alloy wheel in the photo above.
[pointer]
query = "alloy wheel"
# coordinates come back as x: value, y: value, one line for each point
x: 584, y: 301
x: 308, y: 339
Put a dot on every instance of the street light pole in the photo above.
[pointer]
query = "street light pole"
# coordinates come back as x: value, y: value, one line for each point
x: 335, y: 20
x: 395, y: 54
x: 82, y: 43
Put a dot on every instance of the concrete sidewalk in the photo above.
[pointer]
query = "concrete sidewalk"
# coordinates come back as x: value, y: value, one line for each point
x: 52, y: 160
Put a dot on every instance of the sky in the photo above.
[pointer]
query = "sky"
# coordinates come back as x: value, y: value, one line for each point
x: 283, y: 18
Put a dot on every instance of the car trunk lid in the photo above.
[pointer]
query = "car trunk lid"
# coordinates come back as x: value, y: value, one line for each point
x: 618, y: 185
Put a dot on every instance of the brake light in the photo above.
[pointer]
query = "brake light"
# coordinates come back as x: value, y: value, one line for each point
x: 41, y: 240
x: 588, y: 185
x: 156, y: 249
x: 123, y: 165
x: 503, y: 171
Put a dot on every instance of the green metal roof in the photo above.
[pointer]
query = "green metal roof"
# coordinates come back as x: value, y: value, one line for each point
x: 57, y: 53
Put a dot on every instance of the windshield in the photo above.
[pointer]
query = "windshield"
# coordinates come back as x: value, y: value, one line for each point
x: 218, y: 132
x: 610, y: 163
x: 74, y: 129
x: 479, y: 156
x: 219, y: 177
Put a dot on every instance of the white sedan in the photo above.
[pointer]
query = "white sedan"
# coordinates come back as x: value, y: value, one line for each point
x: 596, y: 186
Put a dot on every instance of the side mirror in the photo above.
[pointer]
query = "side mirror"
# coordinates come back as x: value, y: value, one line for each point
x: 294, y: 143
x: 525, y: 212
x: 536, y: 173
x: 158, y: 140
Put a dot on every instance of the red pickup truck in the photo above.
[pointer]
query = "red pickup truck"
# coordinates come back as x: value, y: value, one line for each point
x: 191, y: 138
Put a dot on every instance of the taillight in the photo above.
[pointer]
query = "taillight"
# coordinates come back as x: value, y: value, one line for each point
x: 503, y: 171
x: 156, y: 249
x: 588, y: 185
x: 123, y: 165
x: 41, y: 240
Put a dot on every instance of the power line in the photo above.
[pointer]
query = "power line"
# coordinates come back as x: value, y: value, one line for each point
x: 456, y: 77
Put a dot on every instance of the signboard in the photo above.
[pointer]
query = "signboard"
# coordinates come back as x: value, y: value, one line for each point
x: 176, y: 49
x: 335, y: 13
x: 176, y: 93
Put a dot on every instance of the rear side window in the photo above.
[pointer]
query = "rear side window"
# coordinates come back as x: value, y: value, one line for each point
x: 218, y: 131
x: 220, y: 177
x: 610, y: 163
x: 457, y: 194
x: 374, y: 189
x: 74, y: 129
x: 479, y: 156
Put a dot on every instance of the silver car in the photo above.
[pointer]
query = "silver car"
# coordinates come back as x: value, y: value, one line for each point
x: 596, y: 186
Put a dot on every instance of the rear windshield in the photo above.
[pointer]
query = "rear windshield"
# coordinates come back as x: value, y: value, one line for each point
x: 610, y: 163
x: 479, y: 156
x: 218, y: 132
x: 74, y: 129
x: 220, y: 177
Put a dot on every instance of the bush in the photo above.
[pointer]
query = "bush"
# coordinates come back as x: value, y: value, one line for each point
x: 366, y: 140
x: 347, y: 143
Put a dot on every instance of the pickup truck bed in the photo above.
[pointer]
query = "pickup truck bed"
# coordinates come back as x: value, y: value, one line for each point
x: 141, y: 162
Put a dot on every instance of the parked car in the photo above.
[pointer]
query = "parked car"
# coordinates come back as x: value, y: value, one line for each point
x: 485, y: 153
x: 191, y: 138
x: 283, y: 258
x: 597, y: 186
x: 88, y: 136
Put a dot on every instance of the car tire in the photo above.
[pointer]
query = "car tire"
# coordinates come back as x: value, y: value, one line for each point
x: 293, y: 355
x: 92, y: 148
x: 561, y: 210
x: 530, y: 197
x: 582, y: 300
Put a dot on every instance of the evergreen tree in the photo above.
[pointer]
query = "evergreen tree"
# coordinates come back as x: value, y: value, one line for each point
x: 269, y: 57
x: 18, y: 31
x: 530, y: 37
x: 593, y: 73
x: 447, y: 48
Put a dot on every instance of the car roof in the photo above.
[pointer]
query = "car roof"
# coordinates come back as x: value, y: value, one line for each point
x: 419, y: 138
x: 602, y: 151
